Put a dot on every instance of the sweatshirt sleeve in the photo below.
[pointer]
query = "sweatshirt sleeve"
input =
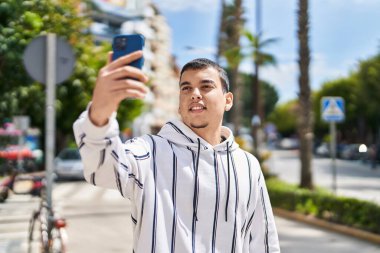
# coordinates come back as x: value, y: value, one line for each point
x: 263, y: 234
x: 107, y: 161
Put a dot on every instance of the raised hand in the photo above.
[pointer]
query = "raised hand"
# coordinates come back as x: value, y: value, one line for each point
x: 116, y: 81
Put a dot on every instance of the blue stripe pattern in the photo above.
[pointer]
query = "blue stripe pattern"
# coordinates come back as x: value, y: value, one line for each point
x: 180, y: 131
x: 154, y: 229
x: 216, y: 211
x: 102, y: 157
x: 118, y: 182
x: 249, y: 223
x: 81, y: 142
x: 174, y: 196
x: 266, y: 221
x: 250, y: 180
x: 133, y: 220
x: 194, y: 225
x: 236, y: 202
x: 125, y: 167
x: 115, y: 155
x: 93, y: 178
x: 138, y: 157
x: 138, y: 183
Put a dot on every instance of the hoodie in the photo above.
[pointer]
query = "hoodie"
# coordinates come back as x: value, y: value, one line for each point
x: 186, y: 195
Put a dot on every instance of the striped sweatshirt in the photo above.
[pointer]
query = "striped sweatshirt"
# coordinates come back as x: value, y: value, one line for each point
x: 187, y: 196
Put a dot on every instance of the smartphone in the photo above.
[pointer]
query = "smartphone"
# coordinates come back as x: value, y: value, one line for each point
x: 127, y: 43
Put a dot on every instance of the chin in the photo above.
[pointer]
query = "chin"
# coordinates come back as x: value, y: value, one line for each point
x: 199, y: 125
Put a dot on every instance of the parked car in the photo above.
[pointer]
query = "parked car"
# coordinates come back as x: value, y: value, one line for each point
x: 288, y: 143
x: 323, y: 150
x: 68, y: 165
x: 351, y: 152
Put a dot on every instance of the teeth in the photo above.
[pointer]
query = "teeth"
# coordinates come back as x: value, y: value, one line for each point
x: 197, y: 108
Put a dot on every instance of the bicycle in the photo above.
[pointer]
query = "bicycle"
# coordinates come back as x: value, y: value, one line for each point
x: 52, y: 230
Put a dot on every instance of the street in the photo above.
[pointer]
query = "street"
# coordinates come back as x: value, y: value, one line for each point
x: 99, y: 220
x: 354, y: 178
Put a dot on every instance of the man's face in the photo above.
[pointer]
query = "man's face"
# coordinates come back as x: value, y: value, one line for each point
x: 201, y: 101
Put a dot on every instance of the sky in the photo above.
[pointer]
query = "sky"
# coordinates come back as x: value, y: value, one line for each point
x: 342, y: 32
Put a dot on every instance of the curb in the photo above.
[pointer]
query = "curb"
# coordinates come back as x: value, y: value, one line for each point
x: 346, y: 230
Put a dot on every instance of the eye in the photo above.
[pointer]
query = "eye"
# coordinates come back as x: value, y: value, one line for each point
x: 185, y: 88
x: 207, y: 87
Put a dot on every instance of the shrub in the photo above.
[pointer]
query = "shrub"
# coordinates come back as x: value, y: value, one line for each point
x: 322, y: 204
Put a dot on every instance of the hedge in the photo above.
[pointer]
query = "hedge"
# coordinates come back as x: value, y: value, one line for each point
x: 352, y: 212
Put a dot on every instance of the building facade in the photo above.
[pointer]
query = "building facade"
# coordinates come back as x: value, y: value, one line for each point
x: 142, y: 16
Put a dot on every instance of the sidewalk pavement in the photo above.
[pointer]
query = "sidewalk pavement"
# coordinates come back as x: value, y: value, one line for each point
x: 299, y: 237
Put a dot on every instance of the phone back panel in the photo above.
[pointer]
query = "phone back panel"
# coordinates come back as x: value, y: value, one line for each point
x: 126, y: 44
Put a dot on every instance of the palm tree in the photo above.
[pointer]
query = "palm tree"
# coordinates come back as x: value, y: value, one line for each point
x: 260, y: 58
x: 305, y: 124
x: 231, y: 25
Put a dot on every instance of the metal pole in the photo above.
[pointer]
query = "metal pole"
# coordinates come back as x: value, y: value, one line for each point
x: 258, y: 18
x: 333, y: 155
x: 20, y: 148
x: 51, y: 48
x: 256, y: 81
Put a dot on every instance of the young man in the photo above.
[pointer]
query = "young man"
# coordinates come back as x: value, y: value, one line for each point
x: 192, y: 189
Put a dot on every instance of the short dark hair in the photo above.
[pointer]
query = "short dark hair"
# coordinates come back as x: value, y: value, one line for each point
x: 203, y: 63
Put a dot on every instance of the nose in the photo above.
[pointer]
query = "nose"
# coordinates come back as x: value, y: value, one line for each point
x: 196, y: 95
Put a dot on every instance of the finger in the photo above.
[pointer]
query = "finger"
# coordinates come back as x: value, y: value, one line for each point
x: 129, y: 84
x: 128, y: 72
x: 125, y: 60
x: 123, y: 94
x: 109, y: 59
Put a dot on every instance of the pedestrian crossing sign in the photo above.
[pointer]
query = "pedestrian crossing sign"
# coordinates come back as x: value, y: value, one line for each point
x: 332, y: 109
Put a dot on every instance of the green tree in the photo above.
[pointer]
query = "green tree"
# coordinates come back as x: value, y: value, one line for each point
x: 284, y: 116
x: 268, y: 92
x: 361, y: 93
x: 305, y: 122
x: 256, y: 46
x: 368, y: 76
x: 20, y: 22
x: 260, y: 58
x: 348, y: 89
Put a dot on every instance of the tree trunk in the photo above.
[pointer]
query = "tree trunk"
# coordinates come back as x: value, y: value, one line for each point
x: 237, y: 111
x: 256, y: 107
x: 305, y: 124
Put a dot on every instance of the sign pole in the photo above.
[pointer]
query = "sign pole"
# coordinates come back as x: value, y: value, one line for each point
x: 332, y: 111
x: 51, y: 49
x: 333, y: 154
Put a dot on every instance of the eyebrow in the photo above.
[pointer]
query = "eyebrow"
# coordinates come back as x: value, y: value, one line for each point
x: 184, y: 83
x: 208, y: 81
x: 202, y: 82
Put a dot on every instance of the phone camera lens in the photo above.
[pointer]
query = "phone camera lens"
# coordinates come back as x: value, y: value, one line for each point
x: 120, y: 43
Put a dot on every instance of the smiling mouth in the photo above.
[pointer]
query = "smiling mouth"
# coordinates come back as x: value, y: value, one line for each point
x: 197, y: 108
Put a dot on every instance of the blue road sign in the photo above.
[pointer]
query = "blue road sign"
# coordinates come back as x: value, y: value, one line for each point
x: 332, y: 109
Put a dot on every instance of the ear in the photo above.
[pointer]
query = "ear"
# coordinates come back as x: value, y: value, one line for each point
x: 229, y: 101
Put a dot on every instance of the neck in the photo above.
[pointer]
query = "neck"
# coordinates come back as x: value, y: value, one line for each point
x: 212, y: 136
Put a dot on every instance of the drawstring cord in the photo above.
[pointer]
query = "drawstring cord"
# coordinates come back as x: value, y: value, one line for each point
x: 228, y: 180
x: 196, y: 187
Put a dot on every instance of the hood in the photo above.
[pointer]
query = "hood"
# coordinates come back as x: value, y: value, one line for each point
x: 177, y: 132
